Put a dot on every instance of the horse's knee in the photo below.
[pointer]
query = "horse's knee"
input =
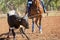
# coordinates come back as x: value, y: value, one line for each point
x: 36, y: 20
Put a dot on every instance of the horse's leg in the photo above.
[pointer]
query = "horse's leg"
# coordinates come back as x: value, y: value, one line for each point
x: 32, y: 24
x: 40, y: 26
x: 36, y: 21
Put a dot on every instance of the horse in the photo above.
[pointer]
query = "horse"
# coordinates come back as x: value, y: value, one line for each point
x: 36, y: 14
x: 14, y: 22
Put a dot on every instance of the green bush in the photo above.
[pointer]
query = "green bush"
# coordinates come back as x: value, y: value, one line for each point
x: 55, y: 4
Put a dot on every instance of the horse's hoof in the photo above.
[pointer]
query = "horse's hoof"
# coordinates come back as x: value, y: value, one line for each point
x: 40, y: 32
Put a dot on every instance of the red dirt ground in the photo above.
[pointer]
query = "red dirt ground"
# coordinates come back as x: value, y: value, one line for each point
x: 51, y: 29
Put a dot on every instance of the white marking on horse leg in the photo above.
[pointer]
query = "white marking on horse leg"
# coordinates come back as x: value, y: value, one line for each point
x: 40, y: 29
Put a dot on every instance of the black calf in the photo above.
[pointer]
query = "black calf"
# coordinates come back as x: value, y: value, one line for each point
x: 15, y: 22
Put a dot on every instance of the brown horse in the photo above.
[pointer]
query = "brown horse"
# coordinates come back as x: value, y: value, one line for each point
x: 36, y: 11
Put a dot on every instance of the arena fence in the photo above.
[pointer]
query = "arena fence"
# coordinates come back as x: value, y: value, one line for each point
x: 50, y: 13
